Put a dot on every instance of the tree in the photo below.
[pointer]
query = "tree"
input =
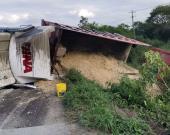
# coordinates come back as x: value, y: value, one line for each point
x: 160, y: 15
x: 157, y: 26
x: 123, y: 26
x: 154, y: 69
x: 86, y: 25
x: 83, y: 22
x: 124, y: 29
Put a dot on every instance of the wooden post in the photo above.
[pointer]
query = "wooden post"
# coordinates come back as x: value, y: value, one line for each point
x: 127, y: 52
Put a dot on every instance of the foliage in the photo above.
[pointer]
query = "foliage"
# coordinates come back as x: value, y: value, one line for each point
x: 167, y: 79
x: 162, y: 109
x: 136, y: 56
x: 83, y: 22
x: 153, y: 31
x: 156, y: 43
x: 83, y: 93
x: 165, y: 97
x: 134, y: 91
x: 74, y: 76
x: 105, y: 120
x: 93, y: 108
x: 154, y: 68
x: 157, y: 26
x: 160, y: 15
x: 130, y: 90
x: 131, y: 94
x: 123, y: 29
x: 158, y: 111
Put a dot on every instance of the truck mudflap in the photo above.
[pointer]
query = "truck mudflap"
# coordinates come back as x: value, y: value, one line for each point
x: 6, y: 76
x: 29, y: 55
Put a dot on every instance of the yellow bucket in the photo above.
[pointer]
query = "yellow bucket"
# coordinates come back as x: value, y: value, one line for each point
x: 61, y: 89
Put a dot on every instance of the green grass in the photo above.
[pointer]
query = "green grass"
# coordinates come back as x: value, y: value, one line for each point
x: 130, y: 90
x: 94, y: 107
x: 131, y: 94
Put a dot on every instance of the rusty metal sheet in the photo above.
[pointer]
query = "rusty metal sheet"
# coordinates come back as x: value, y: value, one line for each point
x: 6, y: 76
x: 104, y: 35
x: 165, y: 55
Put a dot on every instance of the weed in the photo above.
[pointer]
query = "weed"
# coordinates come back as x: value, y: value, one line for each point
x: 93, y: 107
x: 110, y: 122
x: 130, y: 90
x: 130, y: 93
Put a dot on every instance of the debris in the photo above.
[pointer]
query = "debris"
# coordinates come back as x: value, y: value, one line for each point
x: 46, y: 86
x: 25, y: 85
x: 98, y: 67
x: 61, y: 89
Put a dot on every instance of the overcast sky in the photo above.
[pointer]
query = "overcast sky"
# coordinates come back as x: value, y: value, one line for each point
x: 112, y: 12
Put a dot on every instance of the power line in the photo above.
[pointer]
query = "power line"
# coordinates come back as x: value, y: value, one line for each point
x: 151, y: 7
x: 139, y: 10
x: 134, y: 33
x: 136, y: 11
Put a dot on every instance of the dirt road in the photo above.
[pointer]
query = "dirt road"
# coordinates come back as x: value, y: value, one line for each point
x: 26, y: 111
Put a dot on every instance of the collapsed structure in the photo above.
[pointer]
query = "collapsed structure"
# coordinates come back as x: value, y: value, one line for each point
x: 28, y: 54
x: 88, y: 40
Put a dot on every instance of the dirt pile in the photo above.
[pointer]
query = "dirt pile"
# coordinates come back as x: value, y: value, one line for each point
x: 98, y: 67
x: 47, y: 86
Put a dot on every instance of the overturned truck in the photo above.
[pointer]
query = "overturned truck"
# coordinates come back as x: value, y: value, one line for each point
x: 29, y: 53
x: 24, y: 54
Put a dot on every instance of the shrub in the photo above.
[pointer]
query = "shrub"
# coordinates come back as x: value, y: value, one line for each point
x: 74, y: 76
x: 136, y: 56
x: 130, y: 90
x: 83, y: 93
x: 110, y: 122
x: 92, y: 107
x: 98, y: 117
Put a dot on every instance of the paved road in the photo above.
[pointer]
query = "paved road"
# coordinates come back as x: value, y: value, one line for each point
x: 29, y: 112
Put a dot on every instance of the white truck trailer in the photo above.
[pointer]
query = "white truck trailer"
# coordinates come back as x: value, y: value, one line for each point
x: 25, y: 54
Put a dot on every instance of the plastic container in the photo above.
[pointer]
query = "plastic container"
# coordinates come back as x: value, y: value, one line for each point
x: 61, y: 89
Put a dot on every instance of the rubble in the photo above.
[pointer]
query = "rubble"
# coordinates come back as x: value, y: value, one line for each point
x: 46, y: 86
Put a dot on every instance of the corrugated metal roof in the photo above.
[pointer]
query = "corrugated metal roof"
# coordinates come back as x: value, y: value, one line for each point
x: 165, y: 54
x: 160, y: 50
x: 104, y: 35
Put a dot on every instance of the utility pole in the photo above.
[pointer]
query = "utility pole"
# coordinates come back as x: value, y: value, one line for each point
x: 134, y: 33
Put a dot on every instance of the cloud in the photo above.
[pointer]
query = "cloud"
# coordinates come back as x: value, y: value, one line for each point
x: 83, y: 12
x: 1, y: 17
x: 73, y: 12
x: 110, y: 12
x: 13, y: 17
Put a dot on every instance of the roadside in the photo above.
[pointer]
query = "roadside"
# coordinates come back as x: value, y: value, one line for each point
x: 26, y: 111
x: 124, y: 108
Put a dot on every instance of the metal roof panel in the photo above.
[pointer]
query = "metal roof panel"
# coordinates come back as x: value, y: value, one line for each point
x: 104, y: 35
